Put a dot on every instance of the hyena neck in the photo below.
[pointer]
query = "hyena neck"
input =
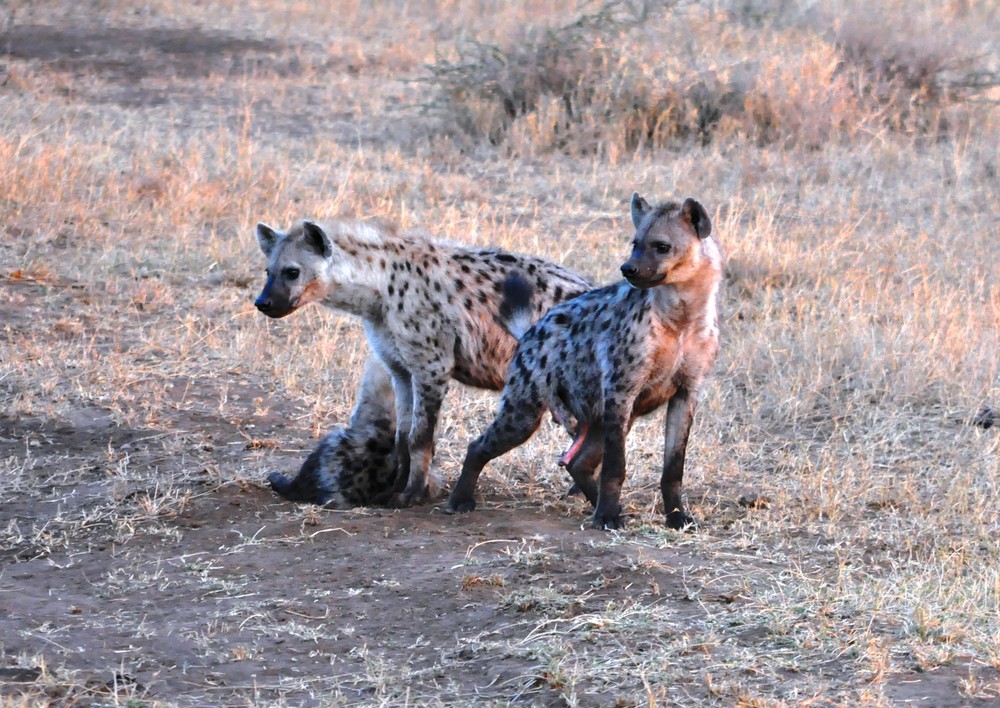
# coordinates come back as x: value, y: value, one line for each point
x: 355, y: 299
x: 690, y: 301
x: 354, y: 278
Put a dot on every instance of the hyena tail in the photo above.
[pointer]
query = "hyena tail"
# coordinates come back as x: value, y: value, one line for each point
x: 515, y: 309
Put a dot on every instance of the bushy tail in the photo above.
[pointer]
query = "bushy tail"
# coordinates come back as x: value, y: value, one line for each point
x: 515, y: 308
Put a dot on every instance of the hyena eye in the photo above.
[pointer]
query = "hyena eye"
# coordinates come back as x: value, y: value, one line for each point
x: 291, y: 273
x: 662, y: 248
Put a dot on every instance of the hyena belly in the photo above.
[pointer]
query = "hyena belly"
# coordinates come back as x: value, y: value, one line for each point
x: 352, y: 465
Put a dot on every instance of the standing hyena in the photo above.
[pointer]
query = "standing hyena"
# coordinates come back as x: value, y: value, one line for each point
x: 602, y: 359
x: 351, y: 466
x: 429, y: 309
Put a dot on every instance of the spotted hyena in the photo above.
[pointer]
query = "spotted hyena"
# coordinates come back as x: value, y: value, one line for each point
x: 611, y: 355
x: 430, y: 311
x: 351, y: 466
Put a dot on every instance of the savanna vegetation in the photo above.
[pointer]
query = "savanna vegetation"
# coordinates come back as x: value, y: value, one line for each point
x: 845, y: 461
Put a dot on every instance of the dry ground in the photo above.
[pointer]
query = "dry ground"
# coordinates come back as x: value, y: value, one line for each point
x: 142, y: 400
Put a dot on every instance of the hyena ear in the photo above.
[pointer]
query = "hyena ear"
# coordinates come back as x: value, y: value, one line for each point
x: 317, y: 239
x: 266, y: 238
x: 695, y: 214
x: 639, y: 208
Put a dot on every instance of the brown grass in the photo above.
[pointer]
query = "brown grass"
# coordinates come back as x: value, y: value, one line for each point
x: 849, y: 160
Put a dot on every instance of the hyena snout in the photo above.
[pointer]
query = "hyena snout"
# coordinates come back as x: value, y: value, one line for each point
x: 642, y: 272
x: 265, y: 301
x: 264, y: 304
x: 271, y: 305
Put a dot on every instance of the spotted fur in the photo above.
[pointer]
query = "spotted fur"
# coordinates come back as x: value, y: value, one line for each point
x: 613, y: 354
x: 351, y: 466
x: 430, y: 311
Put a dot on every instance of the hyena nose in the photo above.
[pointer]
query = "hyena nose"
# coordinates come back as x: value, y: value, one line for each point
x: 629, y: 270
x: 263, y: 304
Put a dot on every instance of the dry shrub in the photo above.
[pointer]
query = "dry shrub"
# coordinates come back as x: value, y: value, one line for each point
x: 914, y: 65
x: 583, y: 87
x: 622, y: 77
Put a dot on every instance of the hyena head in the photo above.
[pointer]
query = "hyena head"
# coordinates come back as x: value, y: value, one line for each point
x: 297, y: 267
x: 667, y: 243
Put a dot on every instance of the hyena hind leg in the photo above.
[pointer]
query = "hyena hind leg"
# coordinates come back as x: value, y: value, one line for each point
x: 515, y: 423
x: 585, y: 462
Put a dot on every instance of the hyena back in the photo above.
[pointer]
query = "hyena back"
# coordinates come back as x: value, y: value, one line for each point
x: 351, y: 466
x: 613, y: 354
x: 429, y: 309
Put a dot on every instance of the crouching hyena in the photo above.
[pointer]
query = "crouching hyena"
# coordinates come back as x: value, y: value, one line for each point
x: 602, y: 359
x: 351, y: 466
x: 429, y: 310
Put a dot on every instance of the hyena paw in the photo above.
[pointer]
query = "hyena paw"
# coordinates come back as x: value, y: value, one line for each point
x: 608, y: 521
x: 680, y: 520
x: 460, y: 505
x: 408, y: 498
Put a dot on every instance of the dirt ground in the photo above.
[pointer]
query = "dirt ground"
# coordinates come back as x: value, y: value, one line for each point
x: 145, y: 562
x: 239, y: 597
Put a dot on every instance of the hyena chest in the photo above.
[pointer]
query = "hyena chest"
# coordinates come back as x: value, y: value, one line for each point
x: 661, y: 376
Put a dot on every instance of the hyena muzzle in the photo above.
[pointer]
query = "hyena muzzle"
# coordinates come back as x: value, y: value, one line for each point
x: 613, y: 354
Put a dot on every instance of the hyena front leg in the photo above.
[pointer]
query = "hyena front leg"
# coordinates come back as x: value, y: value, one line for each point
x: 402, y: 386
x: 680, y: 413
x: 427, y: 400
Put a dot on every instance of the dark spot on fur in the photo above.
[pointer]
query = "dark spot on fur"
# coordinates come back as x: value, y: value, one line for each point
x: 459, y: 285
x: 506, y: 258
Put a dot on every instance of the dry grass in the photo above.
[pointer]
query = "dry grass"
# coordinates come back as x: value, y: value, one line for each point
x: 625, y: 77
x: 849, y: 159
